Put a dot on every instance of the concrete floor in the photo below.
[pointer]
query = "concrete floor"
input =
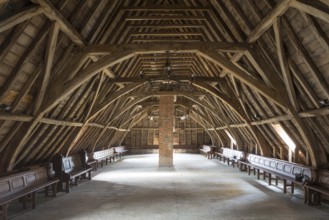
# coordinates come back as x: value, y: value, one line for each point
x: 196, y: 188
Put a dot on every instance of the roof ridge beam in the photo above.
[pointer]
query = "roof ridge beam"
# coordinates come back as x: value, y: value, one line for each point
x: 101, y: 49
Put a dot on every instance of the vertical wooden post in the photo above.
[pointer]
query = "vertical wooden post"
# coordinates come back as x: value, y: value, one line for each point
x: 296, y: 155
x: 290, y: 155
x: 274, y: 152
x: 166, y: 136
x: 307, y: 158
x: 281, y: 153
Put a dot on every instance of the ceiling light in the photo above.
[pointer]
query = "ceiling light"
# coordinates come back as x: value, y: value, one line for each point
x: 324, y: 102
x: 183, y: 117
x: 5, y: 107
x: 141, y: 74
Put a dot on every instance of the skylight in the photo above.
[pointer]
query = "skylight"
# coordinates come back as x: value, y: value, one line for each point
x: 285, y: 137
x: 231, y: 137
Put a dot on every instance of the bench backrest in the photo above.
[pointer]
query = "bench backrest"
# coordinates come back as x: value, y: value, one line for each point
x: 233, y: 153
x: 72, y: 163
x: 19, y: 181
x: 120, y: 149
x: 280, y: 166
x: 97, y: 155
x: 323, y: 178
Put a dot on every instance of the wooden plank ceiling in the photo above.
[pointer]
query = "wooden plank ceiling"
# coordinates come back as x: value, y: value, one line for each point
x: 82, y: 74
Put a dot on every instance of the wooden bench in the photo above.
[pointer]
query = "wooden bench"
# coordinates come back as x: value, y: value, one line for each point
x: 120, y: 151
x: 88, y: 159
x: 230, y: 156
x: 71, y: 168
x: 23, y: 184
x: 103, y: 156
x: 275, y: 169
x: 318, y: 189
x: 206, y: 151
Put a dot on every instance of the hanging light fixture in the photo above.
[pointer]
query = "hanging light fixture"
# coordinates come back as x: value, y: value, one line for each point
x: 168, y: 67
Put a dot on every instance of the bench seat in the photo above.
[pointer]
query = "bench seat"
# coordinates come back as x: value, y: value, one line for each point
x: 318, y: 189
x: 230, y: 156
x: 120, y: 151
x: 206, y: 151
x: 103, y: 156
x: 275, y: 169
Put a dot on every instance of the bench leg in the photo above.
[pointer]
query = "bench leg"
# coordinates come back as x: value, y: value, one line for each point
x: 54, y: 189
x: 284, y: 186
x: 4, y: 208
x: 34, y: 198
x: 46, y: 191
x: 292, y: 187
x: 23, y: 199
x: 76, y: 179
x: 67, y: 186
x: 315, y: 198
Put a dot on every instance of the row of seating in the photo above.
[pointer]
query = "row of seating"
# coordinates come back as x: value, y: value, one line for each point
x: 25, y: 184
x: 315, y: 183
x: 99, y: 158
x: 230, y: 156
x: 62, y: 170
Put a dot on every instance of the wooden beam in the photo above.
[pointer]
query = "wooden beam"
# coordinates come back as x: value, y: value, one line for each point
x: 265, y: 24
x: 102, y: 49
x: 287, y: 78
x: 61, y: 122
x: 164, y: 18
x: 313, y: 96
x: 19, y: 17
x: 165, y: 34
x: 17, y: 70
x: 317, y: 30
x: 314, y: 8
x: 166, y: 93
x: 262, y: 66
x: 268, y: 20
x: 164, y: 40
x: 318, y: 76
x: 165, y: 26
x: 53, y: 14
x: 253, y: 83
x: 174, y: 7
x: 48, y: 64
x: 113, y: 97
x: 57, y: 94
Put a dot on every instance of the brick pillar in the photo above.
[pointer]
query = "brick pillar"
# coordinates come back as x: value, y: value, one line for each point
x: 166, y: 136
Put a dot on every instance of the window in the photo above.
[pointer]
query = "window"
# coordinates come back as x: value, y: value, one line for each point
x: 231, y: 137
x: 285, y: 137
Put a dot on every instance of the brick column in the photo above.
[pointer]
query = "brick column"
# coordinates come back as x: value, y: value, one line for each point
x: 166, y: 136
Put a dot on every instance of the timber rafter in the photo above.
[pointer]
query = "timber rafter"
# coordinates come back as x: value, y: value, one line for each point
x: 73, y: 74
